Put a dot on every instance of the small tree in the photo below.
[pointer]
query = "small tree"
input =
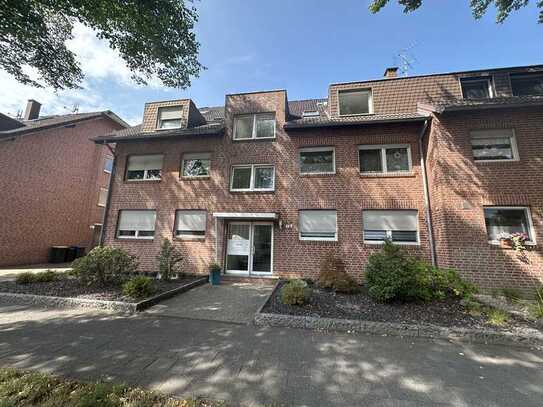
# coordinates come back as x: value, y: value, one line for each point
x: 169, y: 260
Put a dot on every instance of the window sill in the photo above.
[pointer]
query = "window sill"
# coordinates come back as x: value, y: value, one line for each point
x: 237, y: 140
x: 381, y: 242
x: 497, y: 245
x: 319, y: 241
x: 139, y: 181
x: 190, y: 238
x: 198, y: 178
x: 388, y: 175
x: 318, y: 174
x: 136, y: 239
x: 268, y: 191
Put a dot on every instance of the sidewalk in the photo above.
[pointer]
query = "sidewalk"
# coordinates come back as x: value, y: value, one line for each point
x: 9, y: 273
x: 250, y: 366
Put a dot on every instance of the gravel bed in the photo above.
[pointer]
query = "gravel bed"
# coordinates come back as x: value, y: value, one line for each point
x: 447, y: 313
x: 68, y: 287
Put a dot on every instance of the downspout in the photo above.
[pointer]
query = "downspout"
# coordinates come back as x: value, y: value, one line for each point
x: 427, y: 210
x: 108, y: 199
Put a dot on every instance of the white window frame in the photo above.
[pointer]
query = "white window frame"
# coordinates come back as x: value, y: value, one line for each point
x: 317, y: 149
x: 383, y: 148
x: 136, y: 236
x: 389, y: 232
x: 253, y: 168
x: 145, y: 172
x: 370, y: 101
x: 310, y: 113
x: 528, y: 213
x: 513, y: 141
x: 195, y: 157
x: 189, y: 237
x: 159, y: 120
x: 99, y: 194
x: 486, y: 79
x: 253, y: 135
x: 108, y: 157
x: 317, y: 239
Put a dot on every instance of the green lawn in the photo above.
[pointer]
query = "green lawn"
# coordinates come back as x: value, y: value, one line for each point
x: 20, y: 388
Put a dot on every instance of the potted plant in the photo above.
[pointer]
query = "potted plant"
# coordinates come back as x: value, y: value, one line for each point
x: 505, y: 240
x: 518, y: 241
x: 215, y: 273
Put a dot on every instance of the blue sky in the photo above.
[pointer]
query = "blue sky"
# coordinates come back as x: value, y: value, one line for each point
x: 301, y: 46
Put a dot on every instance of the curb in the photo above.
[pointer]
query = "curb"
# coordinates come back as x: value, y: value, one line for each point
x: 68, y: 302
x: 484, y: 336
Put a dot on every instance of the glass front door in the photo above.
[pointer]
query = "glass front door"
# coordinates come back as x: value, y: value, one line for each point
x: 249, y: 248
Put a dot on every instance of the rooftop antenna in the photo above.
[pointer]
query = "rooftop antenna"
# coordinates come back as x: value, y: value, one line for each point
x: 405, y: 59
x: 75, y: 108
x: 19, y: 114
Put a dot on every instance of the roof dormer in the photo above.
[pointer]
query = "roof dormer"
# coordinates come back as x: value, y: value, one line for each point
x: 171, y: 115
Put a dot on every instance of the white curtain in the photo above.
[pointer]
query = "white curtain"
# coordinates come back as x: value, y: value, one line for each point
x: 145, y: 162
x: 318, y: 221
x: 191, y: 220
x: 170, y: 113
x: 390, y: 220
x: 137, y: 220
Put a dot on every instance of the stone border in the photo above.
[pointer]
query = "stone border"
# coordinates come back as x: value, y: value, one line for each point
x: 69, y: 302
x: 486, y: 336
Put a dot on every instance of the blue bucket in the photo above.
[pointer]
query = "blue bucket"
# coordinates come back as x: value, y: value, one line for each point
x: 215, y: 277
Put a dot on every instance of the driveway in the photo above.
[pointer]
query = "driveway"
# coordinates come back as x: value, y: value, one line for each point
x: 265, y: 366
x: 228, y: 302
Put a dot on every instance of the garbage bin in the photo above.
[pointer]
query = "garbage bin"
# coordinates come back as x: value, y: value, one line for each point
x: 215, y: 274
x: 71, y: 252
x: 57, y: 254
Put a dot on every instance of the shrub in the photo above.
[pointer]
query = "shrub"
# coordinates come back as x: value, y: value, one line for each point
x: 392, y: 274
x: 104, y: 265
x: 497, y: 317
x: 139, y: 287
x: 25, y: 278
x: 295, y: 292
x: 46, y: 276
x: 214, y: 267
x: 169, y: 260
x: 333, y: 276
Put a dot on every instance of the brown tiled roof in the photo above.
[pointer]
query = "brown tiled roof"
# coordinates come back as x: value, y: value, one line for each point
x: 297, y: 107
x: 47, y: 122
x: 311, y: 122
x: 135, y: 133
x: 470, y: 104
x: 212, y: 113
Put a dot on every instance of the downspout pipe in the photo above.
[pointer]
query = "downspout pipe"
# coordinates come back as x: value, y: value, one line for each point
x: 427, y: 207
x: 108, y: 200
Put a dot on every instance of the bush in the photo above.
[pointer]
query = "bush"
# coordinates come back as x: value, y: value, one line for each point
x: 295, y: 292
x: 169, y: 260
x: 46, y: 276
x: 104, y: 265
x: 497, y: 317
x: 511, y: 294
x: 139, y: 287
x: 333, y: 276
x: 393, y: 275
x: 25, y: 278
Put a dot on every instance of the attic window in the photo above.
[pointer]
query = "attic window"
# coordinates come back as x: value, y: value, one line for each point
x: 169, y: 117
x: 355, y: 102
x: 310, y: 113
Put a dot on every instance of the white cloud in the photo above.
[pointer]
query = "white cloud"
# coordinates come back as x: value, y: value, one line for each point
x: 100, y: 64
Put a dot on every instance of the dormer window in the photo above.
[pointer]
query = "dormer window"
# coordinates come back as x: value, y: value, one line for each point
x: 529, y: 84
x: 169, y: 117
x: 254, y: 126
x: 355, y: 101
x: 476, y: 88
x: 310, y: 113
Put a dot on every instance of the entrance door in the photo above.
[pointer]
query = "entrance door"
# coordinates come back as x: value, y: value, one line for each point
x: 249, y: 248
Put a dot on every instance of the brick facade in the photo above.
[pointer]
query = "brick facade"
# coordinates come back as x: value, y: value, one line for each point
x: 459, y: 187
x: 50, y: 181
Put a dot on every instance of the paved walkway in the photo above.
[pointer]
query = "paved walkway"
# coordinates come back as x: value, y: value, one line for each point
x: 231, y: 302
x: 9, y: 273
x: 252, y: 366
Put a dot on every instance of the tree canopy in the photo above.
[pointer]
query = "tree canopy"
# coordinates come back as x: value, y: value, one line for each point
x: 479, y: 7
x: 155, y: 38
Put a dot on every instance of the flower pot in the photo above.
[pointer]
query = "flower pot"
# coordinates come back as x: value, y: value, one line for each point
x: 506, y: 244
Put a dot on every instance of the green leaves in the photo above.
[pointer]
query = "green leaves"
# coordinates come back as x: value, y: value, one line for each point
x: 154, y: 38
x: 478, y: 7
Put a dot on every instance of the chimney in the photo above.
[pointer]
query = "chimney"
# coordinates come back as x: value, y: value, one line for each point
x: 391, y: 72
x: 32, y: 111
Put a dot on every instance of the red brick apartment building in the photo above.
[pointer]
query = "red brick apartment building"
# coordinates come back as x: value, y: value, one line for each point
x: 53, y: 182
x: 441, y: 164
